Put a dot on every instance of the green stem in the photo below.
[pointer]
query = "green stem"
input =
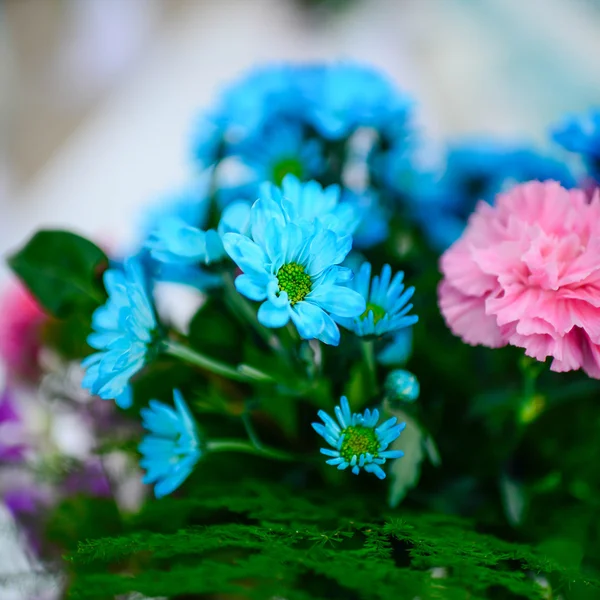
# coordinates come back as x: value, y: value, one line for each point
x: 368, y: 350
x: 247, y: 421
x: 247, y: 447
x: 241, y: 373
x: 240, y: 307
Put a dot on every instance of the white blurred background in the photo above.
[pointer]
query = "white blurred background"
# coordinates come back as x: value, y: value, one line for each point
x: 97, y: 96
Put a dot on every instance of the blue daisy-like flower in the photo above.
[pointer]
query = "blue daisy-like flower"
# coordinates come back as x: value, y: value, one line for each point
x: 307, y: 204
x: 124, y: 332
x: 294, y: 273
x: 342, y: 97
x: 281, y: 149
x: 356, y: 439
x: 172, y: 448
x: 581, y: 135
x: 477, y: 169
x: 387, y: 303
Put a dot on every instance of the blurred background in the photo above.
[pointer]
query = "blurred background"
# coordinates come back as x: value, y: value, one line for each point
x: 97, y: 96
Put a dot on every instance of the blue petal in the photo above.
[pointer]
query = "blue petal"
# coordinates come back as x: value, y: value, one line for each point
x: 273, y: 316
x: 251, y: 287
x: 338, y: 300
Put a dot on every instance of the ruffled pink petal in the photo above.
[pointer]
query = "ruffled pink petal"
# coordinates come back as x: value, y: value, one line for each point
x: 466, y: 317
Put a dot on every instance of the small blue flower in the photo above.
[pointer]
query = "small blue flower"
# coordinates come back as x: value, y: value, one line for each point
x: 402, y: 385
x: 386, y: 303
x: 280, y: 149
x: 172, y: 448
x: 176, y: 242
x: 475, y: 170
x: 124, y: 332
x: 342, y: 97
x: 356, y: 439
x: 581, y: 134
x: 294, y: 273
x: 175, y: 229
x: 307, y: 204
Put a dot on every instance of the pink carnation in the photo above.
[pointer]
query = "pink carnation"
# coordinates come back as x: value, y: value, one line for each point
x: 526, y: 272
x: 21, y: 319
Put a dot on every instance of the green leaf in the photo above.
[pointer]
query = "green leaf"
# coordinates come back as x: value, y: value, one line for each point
x: 62, y: 270
x: 405, y: 472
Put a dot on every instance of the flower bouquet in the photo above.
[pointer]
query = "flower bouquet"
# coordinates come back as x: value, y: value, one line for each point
x: 301, y: 433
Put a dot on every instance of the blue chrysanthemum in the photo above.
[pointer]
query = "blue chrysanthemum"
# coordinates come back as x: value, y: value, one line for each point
x: 581, y: 134
x: 294, y: 273
x: 386, y: 300
x: 357, y: 440
x: 308, y: 204
x: 172, y: 448
x: 175, y: 229
x: 281, y: 149
x: 342, y: 97
x: 124, y: 331
x: 475, y: 170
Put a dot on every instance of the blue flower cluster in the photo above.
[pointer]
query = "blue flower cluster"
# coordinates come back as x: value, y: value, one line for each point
x: 304, y: 139
x: 357, y: 440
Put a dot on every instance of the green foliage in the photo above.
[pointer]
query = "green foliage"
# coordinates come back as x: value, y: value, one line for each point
x: 63, y: 271
x: 258, y: 540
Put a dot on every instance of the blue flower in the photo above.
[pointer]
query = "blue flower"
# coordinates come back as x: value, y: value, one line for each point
x: 124, y: 332
x: 294, y: 273
x: 342, y: 97
x: 172, y: 448
x: 308, y: 204
x: 175, y: 232
x: 280, y: 149
x: 402, y: 385
x: 386, y: 303
x: 174, y: 241
x: 581, y: 134
x: 475, y: 170
x: 356, y: 439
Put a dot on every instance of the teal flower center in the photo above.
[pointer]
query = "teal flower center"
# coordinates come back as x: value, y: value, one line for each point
x: 378, y: 312
x: 287, y: 166
x: 295, y: 281
x: 358, y: 440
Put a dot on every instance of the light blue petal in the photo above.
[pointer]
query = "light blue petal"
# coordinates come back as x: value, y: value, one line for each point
x: 251, y: 287
x: 337, y: 300
x: 273, y: 316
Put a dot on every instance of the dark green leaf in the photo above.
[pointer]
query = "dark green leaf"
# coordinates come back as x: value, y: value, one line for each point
x: 63, y: 271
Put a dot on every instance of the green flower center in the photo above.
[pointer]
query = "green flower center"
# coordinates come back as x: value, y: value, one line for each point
x: 287, y: 166
x: 358, y: 440
x: 295, y: 281
x: 378, y: 312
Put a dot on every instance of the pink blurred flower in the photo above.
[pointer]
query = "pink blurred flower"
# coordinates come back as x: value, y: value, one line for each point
x: 21, y: 320
x: 526, y: 272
